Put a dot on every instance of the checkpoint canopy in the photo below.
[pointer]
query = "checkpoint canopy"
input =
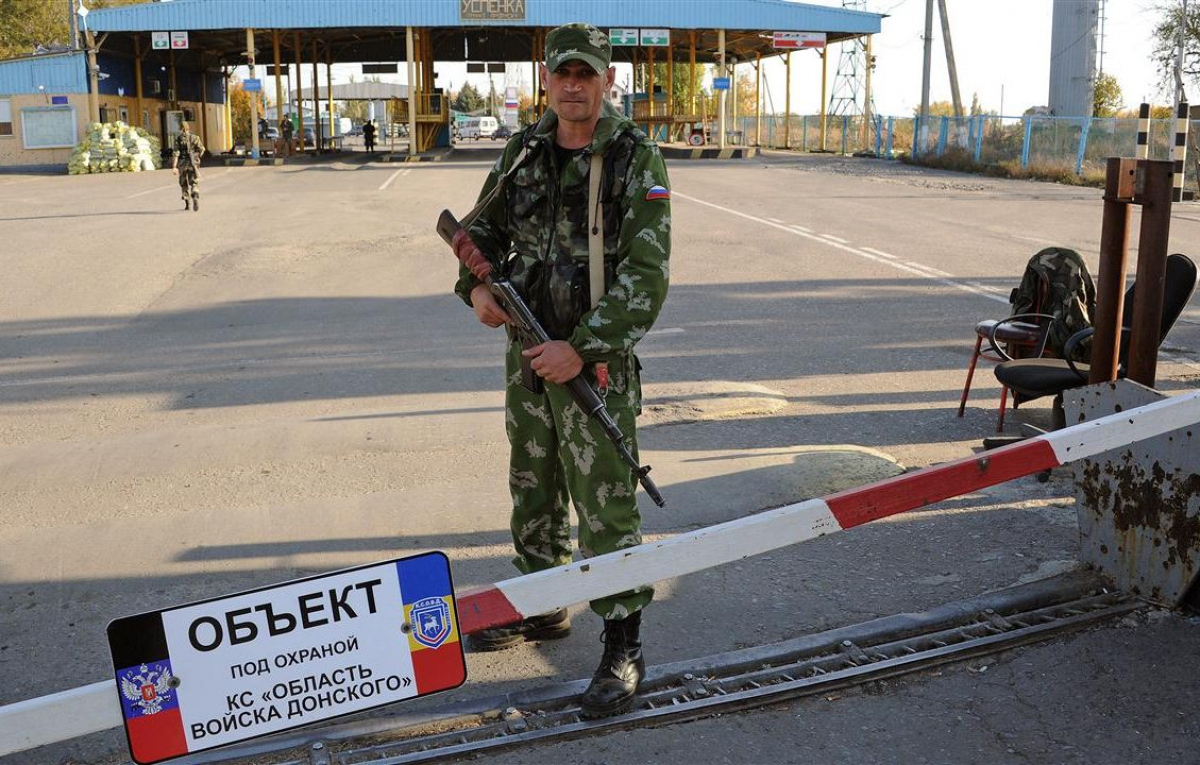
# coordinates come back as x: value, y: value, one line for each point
x: 419, y: 34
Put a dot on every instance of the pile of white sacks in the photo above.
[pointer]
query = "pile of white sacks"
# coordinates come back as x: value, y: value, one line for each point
x: 114, y: 147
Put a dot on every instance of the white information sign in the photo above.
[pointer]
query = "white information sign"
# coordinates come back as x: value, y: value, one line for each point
x: 226, y: 670
x: 160, y: 40
x: 798, y: 40
x: 656, y: 37
x: 179, y: 40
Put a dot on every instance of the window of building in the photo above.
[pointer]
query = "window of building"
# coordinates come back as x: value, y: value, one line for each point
x: 6, y: 117
x: 49, y: 127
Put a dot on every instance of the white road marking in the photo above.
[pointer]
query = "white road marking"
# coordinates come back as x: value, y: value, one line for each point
x: 228, y: 170
x: 860, y: 252
x: 833, y: 238
x: 775, y: 220
x: 880, y: 253
x: 392, y: 177
x: 798, y: 227
x: 930, y: 269
x: 665, y: 331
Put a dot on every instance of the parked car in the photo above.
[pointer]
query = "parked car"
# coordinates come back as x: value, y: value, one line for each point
x: 356, y: 130
x: 504, y: 132
x: 271, y: 133
x: 310, y: 137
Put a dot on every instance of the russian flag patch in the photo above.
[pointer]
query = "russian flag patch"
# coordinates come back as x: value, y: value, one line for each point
x: 658, y: 192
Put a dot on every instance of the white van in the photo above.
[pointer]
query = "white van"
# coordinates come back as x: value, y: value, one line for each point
x: 475, y: 128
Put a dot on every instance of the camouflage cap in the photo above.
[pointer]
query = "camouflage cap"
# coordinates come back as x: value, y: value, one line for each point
x: 581, y: 42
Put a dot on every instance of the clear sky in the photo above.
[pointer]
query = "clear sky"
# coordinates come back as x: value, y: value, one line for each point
x: 1000, y: 46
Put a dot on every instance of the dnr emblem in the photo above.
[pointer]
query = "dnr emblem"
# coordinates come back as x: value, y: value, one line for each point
x: 431, y: 622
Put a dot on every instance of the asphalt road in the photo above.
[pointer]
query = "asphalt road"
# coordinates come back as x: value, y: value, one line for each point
x: 193, y: 404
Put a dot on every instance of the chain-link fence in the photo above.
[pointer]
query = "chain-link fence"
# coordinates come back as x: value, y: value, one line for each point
x: 1049, y: 144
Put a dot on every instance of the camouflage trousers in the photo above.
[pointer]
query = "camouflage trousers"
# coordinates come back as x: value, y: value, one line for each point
x: 559, y: 456
x: 189, y: 181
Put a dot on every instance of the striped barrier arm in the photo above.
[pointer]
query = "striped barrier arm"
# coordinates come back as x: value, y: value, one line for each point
x: 93, y: 708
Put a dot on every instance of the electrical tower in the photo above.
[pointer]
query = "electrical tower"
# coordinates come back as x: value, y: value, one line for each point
x: 849, y: 84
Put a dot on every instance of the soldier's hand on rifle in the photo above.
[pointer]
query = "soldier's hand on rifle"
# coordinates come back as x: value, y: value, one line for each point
x: 470, y: 256
x: 555, y: 361
x: 487, y: 308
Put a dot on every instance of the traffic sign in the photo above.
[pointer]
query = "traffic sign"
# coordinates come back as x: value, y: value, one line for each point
x: 160, y: 40
x: 179, y: 40
x: 618, y: 37
x: 195, y: 677
x: 798, y: 40
x: 720, y: 83
x: 656, y: 37
x: 252, y: 85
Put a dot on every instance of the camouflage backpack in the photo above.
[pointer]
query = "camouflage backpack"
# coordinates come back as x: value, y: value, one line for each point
x: 1057, y: 282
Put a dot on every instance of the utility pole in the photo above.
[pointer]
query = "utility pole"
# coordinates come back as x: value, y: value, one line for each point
x: 73, y: 24
x: 925, y: 76
x: 1183, y: 19
x: 958, y: 107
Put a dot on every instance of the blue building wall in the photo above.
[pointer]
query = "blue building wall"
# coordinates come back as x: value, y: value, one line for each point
x: 55, y: 73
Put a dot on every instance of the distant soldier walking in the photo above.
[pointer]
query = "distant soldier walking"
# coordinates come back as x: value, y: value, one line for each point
x: 185, y: 162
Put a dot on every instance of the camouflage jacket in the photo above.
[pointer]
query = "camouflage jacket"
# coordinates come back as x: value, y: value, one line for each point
x: 536, y: 234
x: 188, y: 148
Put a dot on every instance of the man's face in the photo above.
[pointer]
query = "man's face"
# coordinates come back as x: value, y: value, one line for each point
x: 576, y: 91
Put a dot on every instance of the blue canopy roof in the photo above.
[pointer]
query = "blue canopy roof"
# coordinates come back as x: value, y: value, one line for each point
x: 189, y: 15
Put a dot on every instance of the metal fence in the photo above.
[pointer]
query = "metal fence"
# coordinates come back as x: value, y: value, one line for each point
x: 1065, y: 144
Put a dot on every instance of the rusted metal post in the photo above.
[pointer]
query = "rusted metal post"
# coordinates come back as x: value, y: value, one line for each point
x: 1154, y: 191
x: 1114, y: 259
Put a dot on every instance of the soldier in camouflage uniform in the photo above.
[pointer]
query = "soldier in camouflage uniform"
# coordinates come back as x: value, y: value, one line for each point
x: 185, y: 162
x: 536, y: 234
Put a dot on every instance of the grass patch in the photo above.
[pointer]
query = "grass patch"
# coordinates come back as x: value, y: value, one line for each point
x: 1053, y: 172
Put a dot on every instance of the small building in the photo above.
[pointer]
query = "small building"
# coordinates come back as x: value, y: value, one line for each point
x: 45, y: 103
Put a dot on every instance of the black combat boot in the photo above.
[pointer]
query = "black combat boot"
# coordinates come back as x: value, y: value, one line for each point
x: 185, y: 203
x: 551, y: 626
x: 195, y: 203
x: 621, y: 669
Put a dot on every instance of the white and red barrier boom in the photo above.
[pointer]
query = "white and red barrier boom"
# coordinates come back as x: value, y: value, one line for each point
x: 92, y: 708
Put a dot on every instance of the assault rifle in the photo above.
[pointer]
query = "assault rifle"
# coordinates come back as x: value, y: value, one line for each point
x: 530, y: 333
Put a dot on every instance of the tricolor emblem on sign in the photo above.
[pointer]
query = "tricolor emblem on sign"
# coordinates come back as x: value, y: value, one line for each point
x: 234, y: 668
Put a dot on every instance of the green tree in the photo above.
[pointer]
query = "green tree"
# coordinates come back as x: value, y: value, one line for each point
x: 239, y: 105
x: 25, y: 24
x: 468, y: 100
x: 680, y: 91
x: 1107, y: 99
x: 976, y: 107
x: 1165, y: 50
x: 937, y: 109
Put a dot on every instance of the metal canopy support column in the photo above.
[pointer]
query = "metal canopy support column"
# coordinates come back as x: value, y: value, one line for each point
x: 787, y: 99
x: 721, y: 100
x: 693, y: 110
x: 824, y: 98
x: 670, y: 92
x: 137, y: 78
x: 316, y: 84
x: 758, y: 101
x: 204, y: 107
x: 329, y: 90
x: 253, y: 95
x: 412, y: 92
x: 93, y: 77
x: 278, y: 82
x: 299, y: 96
x: 867, y: 114
x: 228, y: 110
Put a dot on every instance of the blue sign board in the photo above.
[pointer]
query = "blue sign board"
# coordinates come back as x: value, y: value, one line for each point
x: 720, y: 83
x: 59, y: 100
x: 252, y: 86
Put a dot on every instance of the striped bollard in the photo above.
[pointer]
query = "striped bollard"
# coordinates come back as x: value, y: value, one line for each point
x: 1143, y: 136
x: 1179, y: 152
